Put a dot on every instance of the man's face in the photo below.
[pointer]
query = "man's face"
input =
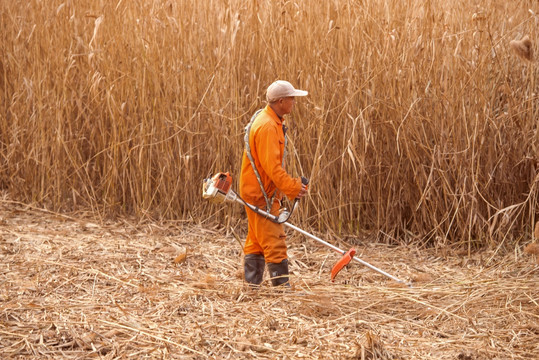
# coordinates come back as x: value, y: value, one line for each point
x: 287, y: 104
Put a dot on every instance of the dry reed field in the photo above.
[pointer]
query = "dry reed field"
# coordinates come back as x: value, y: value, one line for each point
x: 419, y: 136
x: 76, y: 289
x: 421, y: 120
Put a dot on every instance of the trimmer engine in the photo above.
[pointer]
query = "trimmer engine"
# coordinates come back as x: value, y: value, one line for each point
x: 218, y: 188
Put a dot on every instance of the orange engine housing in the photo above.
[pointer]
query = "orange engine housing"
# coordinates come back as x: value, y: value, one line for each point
x: 223, y: 182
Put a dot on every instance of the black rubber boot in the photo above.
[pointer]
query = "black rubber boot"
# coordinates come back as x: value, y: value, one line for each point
x: 279, y: 273
x: 253, y: 266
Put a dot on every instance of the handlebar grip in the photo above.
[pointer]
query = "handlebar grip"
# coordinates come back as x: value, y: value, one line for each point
x: 304, y: 180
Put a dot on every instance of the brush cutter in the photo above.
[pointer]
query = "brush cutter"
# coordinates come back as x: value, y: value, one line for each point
x: 218, y: 189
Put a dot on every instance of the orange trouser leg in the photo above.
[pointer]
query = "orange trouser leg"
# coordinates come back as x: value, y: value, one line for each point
x: 265, y: 237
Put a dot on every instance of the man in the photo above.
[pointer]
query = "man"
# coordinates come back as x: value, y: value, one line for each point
x: 263, y: 182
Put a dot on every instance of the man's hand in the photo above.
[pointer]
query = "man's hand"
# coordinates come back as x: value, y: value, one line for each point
x: 303, y: 191
x: 304, y: 187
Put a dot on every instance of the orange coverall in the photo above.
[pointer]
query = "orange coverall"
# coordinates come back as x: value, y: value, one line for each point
x: 266, y: 140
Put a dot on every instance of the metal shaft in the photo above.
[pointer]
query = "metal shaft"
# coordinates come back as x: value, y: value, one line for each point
x: 344, y: 252
x: 264, y: 213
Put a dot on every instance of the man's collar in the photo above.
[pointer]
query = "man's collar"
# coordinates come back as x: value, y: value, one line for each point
x: 272, y: 112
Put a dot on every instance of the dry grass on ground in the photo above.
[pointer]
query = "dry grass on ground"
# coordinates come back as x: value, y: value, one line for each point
x: 70, y: 288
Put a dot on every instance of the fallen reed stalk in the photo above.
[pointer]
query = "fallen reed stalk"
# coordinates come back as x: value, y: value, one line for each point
x: 71, y: 288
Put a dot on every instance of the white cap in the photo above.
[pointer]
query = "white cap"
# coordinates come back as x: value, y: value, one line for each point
x: 280, y: 89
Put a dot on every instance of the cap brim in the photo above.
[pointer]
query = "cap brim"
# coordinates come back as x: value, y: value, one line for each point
x: 299, y: 93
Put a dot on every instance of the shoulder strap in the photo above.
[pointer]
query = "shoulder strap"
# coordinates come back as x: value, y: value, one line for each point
x: 269, y: 202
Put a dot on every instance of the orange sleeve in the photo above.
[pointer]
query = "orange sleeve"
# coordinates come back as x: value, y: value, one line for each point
x: 269, y: 148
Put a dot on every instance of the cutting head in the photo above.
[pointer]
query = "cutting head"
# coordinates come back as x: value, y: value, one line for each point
x: 345, y: 260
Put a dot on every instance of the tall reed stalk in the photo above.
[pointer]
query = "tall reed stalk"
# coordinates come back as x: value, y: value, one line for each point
x: 420, y: 123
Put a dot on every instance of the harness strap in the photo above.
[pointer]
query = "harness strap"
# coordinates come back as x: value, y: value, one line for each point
x: 269, y: 202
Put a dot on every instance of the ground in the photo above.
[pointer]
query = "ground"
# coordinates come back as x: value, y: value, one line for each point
x: 76, y: 287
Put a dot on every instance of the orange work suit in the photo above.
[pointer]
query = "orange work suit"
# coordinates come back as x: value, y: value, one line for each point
x: 266, y: 140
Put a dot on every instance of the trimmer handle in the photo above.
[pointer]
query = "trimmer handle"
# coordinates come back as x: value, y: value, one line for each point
x: 305, y: 182
x: 285, y: 214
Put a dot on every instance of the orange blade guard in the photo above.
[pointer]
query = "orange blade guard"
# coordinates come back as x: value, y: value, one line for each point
x: 347, y: 257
